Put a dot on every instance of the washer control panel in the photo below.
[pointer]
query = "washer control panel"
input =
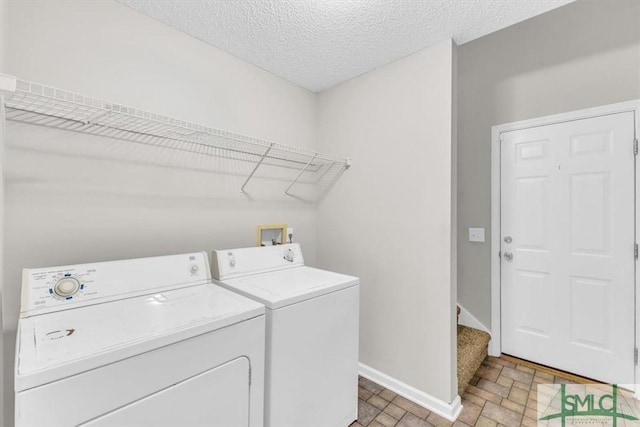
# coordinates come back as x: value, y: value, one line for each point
x: 58, y: 288
x: 230, y: 263
x: 48, y: 287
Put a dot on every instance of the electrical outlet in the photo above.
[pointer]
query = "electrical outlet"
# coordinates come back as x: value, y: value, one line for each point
x: 289, y: 238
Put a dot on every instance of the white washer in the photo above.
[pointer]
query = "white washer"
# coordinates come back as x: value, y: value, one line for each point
x: 144, y: 342
x: 312, y: 333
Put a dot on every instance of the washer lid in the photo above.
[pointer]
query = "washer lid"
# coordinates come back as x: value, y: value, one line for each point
x: 281, y: 288
x: 59, y: 344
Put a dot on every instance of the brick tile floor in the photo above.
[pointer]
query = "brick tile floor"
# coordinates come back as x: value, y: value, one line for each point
x: 502, y: 393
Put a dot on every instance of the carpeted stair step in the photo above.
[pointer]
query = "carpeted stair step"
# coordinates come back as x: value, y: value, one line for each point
x: 472, y: 350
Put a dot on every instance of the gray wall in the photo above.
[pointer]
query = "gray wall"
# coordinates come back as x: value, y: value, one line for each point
x: 581, y: 55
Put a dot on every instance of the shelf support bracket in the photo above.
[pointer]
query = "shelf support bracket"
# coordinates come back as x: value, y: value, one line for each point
x: 246, y: 181
x: 300, y: 174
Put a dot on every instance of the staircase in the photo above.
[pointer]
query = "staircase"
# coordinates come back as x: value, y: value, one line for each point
x: 472, y: 350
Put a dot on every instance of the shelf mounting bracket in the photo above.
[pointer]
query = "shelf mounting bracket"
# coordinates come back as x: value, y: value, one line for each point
x: 300, y: 174
x: 255, y: 168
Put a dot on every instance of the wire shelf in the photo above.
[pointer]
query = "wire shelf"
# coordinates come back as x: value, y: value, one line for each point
x: 42, y: 105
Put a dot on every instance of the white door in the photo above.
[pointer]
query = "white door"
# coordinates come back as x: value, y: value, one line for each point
x: 567, y: 230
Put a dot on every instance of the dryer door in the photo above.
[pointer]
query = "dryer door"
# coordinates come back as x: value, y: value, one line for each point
x: 216, y: 397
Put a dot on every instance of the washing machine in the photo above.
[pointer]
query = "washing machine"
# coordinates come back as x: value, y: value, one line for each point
x: 311, y: 367
x: 143, y: 342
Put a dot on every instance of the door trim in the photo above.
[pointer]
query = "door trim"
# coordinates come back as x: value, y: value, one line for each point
x: 629, y: 106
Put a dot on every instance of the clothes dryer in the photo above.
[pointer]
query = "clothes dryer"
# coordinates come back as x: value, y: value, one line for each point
x: 144, y: 342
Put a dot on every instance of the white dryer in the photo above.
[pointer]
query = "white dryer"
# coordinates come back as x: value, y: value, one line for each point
x: 312, y: 333
x: 143, y: 342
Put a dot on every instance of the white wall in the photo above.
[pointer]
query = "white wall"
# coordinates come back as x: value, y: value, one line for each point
x: 72, y: 198
x: 391, y: 223
x: 581, y: 55
x: 3, y: 44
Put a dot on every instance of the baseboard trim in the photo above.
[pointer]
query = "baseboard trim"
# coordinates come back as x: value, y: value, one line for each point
x: 449, y: 411
x: 467, y: 319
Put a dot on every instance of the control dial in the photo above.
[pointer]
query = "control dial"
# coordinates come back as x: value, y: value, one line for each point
x: 66, y: 287
x: 289, y: 256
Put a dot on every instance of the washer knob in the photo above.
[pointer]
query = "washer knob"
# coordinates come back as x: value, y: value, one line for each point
x: 289, y: 256
x: 194, y: 269
x: 66, y: 287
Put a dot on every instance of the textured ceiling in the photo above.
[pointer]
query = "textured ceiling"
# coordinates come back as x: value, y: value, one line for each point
x: 320, y: 43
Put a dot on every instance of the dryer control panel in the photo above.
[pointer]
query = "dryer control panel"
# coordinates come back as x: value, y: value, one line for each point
x: 229, y: 263
x: 59, y: 288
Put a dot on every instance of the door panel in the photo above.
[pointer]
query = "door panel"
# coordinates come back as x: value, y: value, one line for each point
x: 567, y: 202
x: 590, y: 234
x: 533, y: 286
x: 590, y: 296
x: 532, y: 201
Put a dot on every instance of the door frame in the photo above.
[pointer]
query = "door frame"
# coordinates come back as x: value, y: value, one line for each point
x: 495, y: 347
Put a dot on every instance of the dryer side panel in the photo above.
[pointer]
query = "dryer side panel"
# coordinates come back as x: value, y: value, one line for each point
x: 312, y: 362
